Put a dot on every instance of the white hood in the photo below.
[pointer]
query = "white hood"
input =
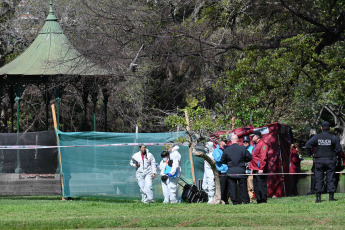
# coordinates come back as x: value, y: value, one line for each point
x: 209, y: 145
x: 175, y: 148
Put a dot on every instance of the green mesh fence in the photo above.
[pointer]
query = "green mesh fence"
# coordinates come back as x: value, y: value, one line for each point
x: 105, y: 171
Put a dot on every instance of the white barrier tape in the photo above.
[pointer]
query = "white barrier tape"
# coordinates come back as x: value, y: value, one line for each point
x: 75, y: 146
x: 270, y: 174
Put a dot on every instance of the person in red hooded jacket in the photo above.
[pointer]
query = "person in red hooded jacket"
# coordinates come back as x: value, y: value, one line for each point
x: 294, y: 167
x: 259, y: 166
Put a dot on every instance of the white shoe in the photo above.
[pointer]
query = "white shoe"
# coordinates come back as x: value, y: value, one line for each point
x: 148, y: 201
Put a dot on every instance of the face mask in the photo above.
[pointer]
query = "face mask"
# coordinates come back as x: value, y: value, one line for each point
x: 165, y: 159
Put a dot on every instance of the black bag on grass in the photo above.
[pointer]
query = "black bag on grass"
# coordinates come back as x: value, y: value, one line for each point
x: 189, y: 191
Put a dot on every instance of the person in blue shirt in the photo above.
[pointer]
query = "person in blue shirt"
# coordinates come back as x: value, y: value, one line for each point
x: 222, y: 168
x: 246, y: 143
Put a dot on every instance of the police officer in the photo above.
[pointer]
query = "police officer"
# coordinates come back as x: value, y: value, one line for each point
x: 327, y: 148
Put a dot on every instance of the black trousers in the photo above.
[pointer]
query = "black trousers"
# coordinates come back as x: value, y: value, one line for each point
x: 224, y: 187
x: 243, y: 191
x: 260, y: 187
x: 294, y: 180
x: 323, y: 165
x: 312, y: 179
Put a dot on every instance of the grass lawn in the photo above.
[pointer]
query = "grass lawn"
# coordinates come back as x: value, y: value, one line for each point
x: 280, y: 213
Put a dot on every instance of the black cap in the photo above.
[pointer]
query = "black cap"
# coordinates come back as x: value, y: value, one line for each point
x: 246, y: 139
x: 165, y: 153
x: 257, y: 133
x: 325, y: 124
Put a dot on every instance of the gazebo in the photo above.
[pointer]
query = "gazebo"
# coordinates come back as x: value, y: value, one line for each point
x: 48, y: 62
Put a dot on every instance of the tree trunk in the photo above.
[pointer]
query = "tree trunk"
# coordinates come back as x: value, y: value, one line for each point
x: 339, y: 121
x: 193, y: 142
x: 217, y: 195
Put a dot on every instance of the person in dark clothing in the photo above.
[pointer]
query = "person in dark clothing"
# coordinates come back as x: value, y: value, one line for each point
x: 236, y: 156
x: 312, y: 176
x: 325, y: 158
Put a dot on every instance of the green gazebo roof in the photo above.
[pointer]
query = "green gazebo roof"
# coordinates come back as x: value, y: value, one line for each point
x: 51, y: 54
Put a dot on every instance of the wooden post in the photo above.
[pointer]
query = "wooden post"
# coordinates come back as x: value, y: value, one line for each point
x: 233, y: 122
x: 59, y: 150
x: 190, y: 151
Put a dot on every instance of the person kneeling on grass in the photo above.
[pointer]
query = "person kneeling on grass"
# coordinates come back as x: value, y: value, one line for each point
x: 145, y: 165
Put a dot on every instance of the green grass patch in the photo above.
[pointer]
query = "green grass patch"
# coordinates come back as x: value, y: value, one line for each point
x: 94, y: 213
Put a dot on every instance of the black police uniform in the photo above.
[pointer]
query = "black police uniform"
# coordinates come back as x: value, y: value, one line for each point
x: 327, y: 148
x: 312, y: 179
x: 235, y: 157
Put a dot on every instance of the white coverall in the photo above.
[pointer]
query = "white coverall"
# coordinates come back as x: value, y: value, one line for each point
x: 144, y: 174
x: 166, y: 192
x: 208, y: 184
x: 175, y: 156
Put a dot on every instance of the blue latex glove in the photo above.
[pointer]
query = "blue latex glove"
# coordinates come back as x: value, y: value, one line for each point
x: 170, y: 175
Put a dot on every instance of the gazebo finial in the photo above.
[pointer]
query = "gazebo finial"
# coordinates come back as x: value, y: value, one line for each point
x: 51, y: 15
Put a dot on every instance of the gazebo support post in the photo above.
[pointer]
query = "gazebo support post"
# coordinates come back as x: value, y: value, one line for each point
x: 94, y: 95
x: 58, y: 102
x: 19, y: 92
x: 94, y: 101
x: 47, y: 111
x: 105, y: 102
x: 1, y: 92
x: 12, y: 107
x: 85, y: 98
x: 47, y: 97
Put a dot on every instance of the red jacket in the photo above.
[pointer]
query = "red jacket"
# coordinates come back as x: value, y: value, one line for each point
x: 260, y: 153
x: 295, y: 162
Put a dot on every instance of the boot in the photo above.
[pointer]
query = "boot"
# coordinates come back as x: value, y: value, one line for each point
x: 331, y: 196
x: 318, y: 198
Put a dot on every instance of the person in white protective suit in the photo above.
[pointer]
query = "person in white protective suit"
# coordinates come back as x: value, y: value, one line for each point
x: 164, y: 177
x: 175, y: 173
x: 208, y: 184
x: 145, y: 165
